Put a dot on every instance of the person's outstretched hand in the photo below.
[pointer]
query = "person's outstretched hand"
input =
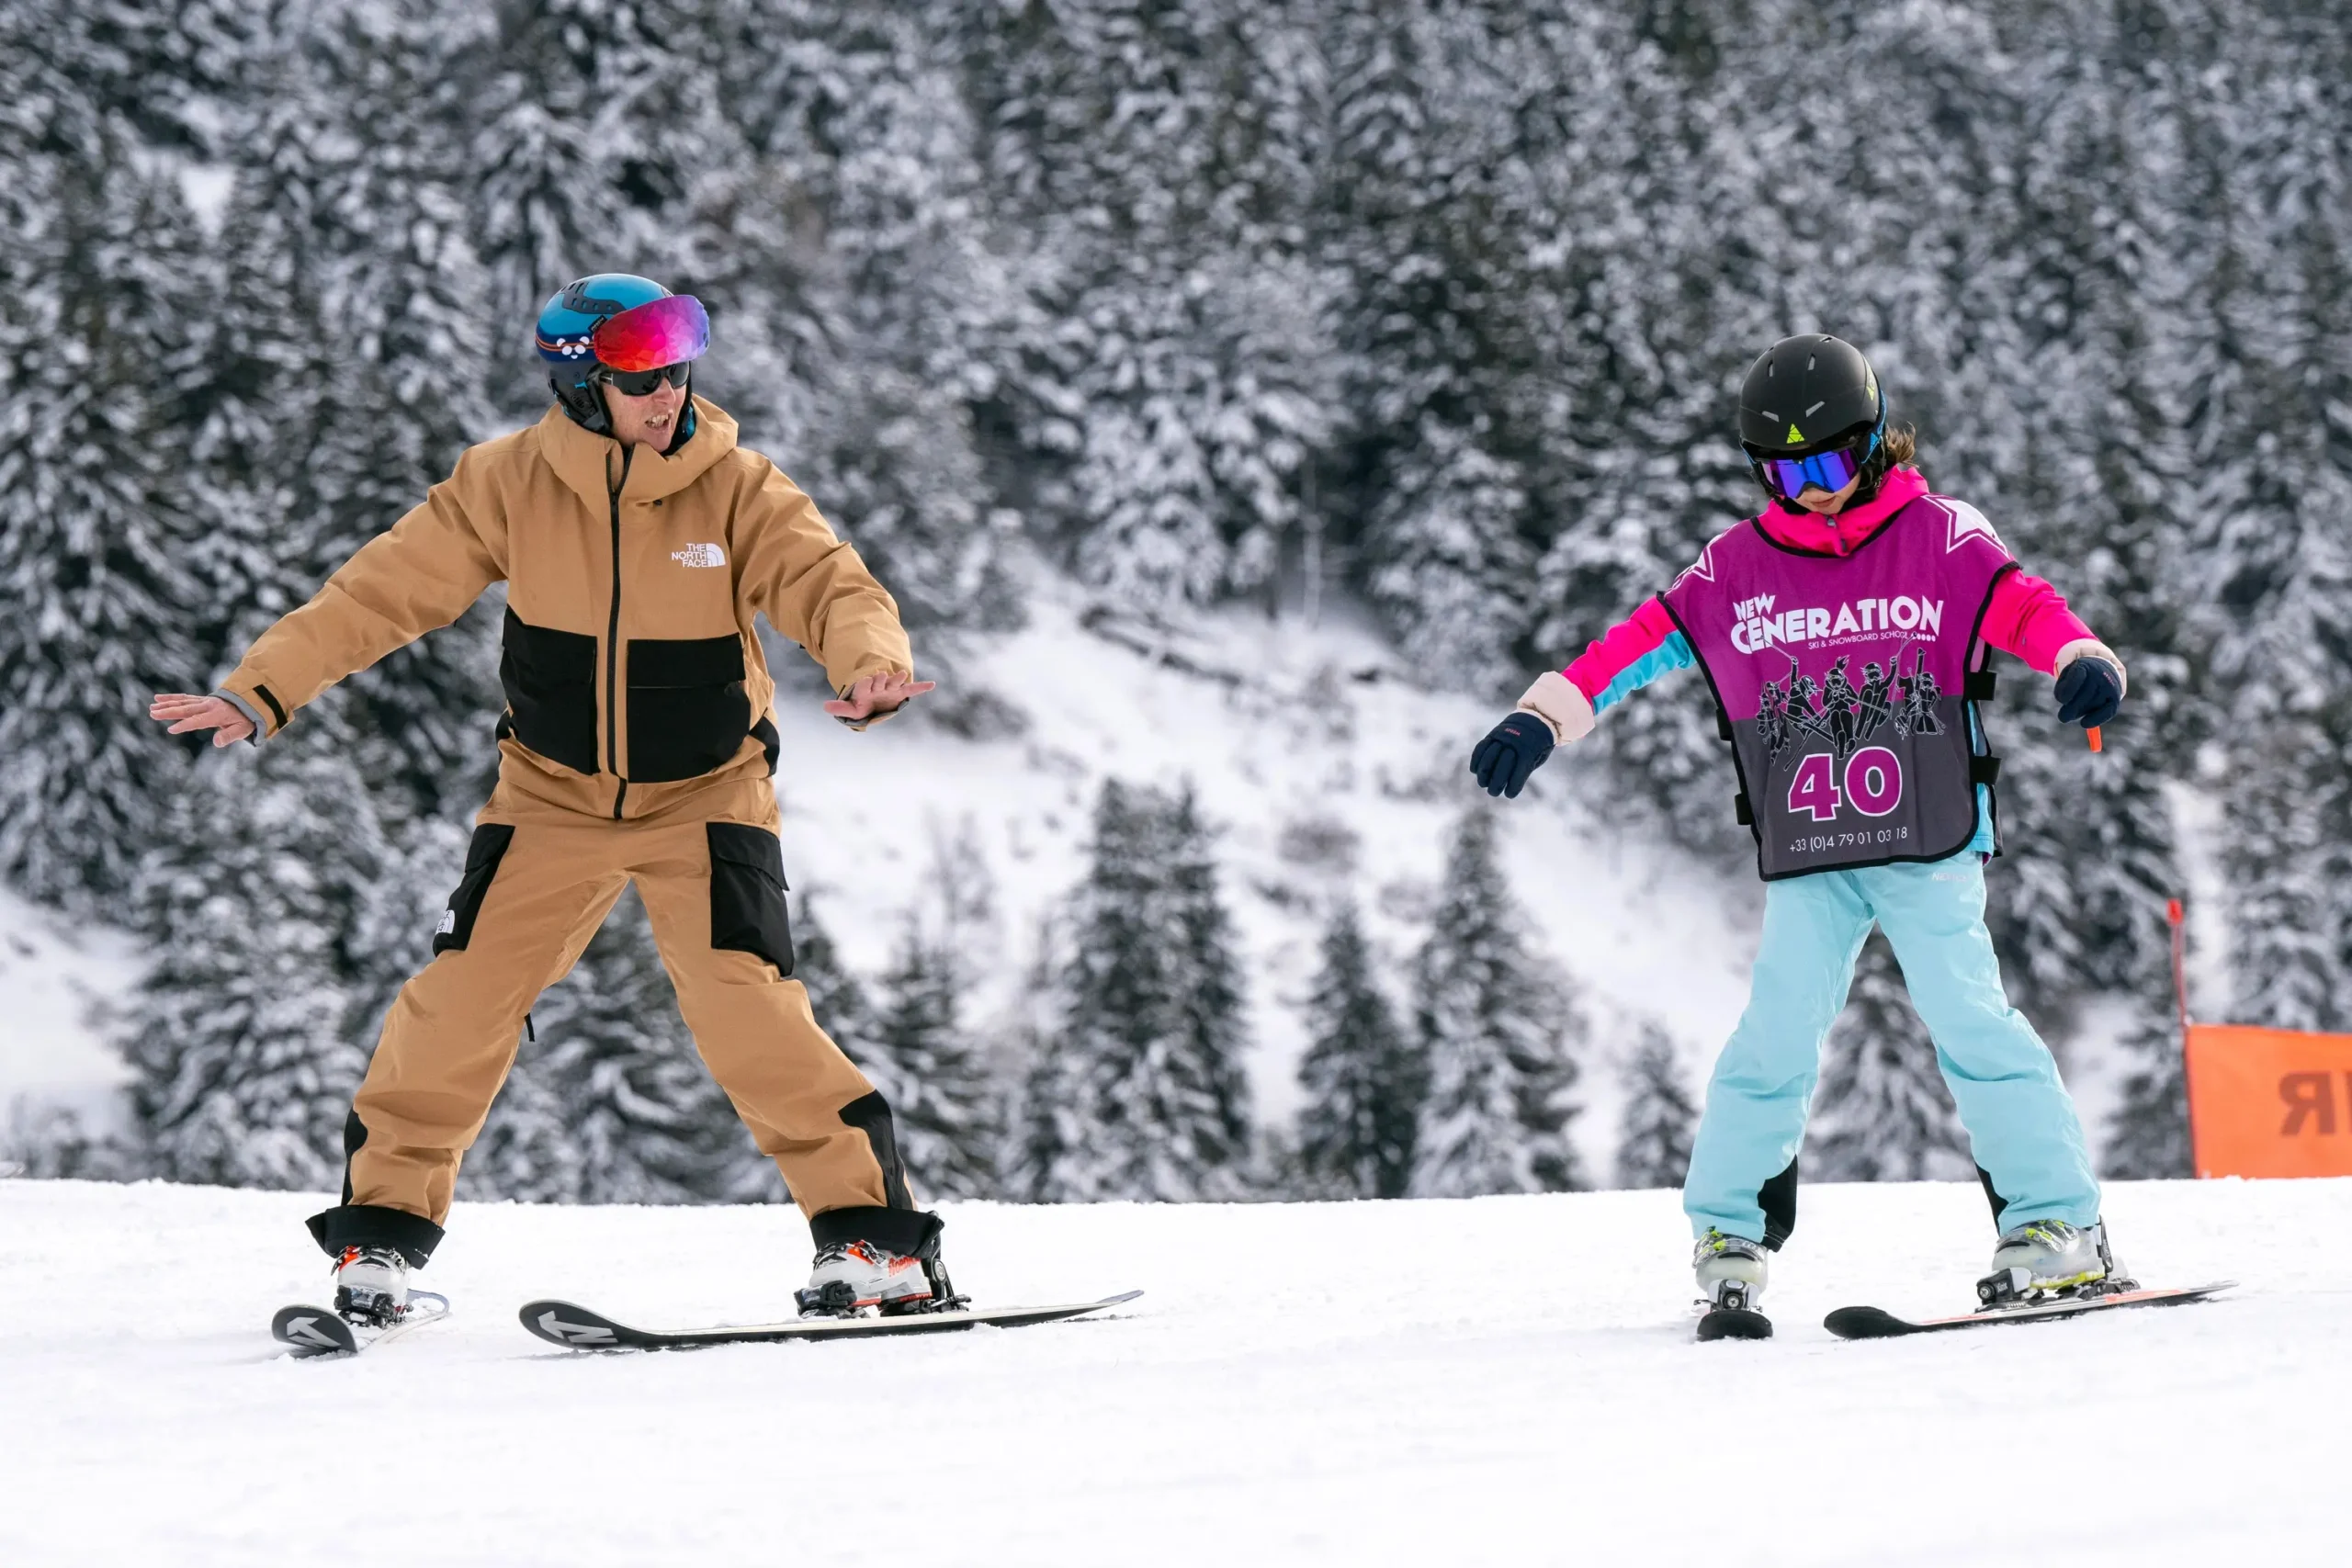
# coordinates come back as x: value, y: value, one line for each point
x: 872, y: 696
x: 1512, y: 751
x: 184, y: 713
x: 2089, y: 691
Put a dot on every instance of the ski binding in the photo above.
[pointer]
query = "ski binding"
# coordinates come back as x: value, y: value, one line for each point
x: 1729, y: 1316
x: 576, y: 1328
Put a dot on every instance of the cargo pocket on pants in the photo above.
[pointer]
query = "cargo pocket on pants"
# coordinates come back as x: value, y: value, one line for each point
x: 747, y: 913
x: 483, y: 853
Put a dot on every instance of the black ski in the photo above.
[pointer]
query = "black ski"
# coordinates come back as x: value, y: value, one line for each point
x: 310, y: 1331
x: 1875, y: 1323
x: 576, y: 1328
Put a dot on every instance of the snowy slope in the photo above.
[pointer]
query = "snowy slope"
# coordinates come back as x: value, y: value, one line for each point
x: 1295, y: 738
x: 1498, y: 1381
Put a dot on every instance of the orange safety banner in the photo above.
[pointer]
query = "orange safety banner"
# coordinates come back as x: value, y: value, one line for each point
x: 2269, y: 1101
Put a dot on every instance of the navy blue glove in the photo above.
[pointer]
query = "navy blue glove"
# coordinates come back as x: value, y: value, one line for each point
x: 2089, y: 691
x: 1512, y: 751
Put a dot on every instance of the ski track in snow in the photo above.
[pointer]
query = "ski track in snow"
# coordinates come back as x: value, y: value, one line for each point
x: 1503, y: 1380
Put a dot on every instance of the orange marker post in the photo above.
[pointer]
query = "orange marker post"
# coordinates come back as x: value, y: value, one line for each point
x: 2093, y: 733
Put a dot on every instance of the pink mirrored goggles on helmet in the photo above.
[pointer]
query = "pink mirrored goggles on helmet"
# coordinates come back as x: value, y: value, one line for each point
x: 651, y: 337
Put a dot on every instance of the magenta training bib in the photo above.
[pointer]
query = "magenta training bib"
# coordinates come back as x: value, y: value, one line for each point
x: 1846, y: 684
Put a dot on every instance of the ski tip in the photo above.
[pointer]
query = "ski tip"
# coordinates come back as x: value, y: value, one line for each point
x: 573, y: 1328
x: 1733, y: 1323
x: 1120, y: 1300
x: 1866, y: 1323
x: 313, y: 1331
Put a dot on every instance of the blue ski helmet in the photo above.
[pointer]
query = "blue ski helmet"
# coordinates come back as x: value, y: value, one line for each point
x: 567, y: 321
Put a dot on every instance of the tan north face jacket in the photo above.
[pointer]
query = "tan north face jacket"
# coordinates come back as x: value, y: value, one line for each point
x: 631, y: 667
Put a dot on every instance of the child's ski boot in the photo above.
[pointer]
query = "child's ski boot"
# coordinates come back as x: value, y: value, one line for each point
x: 1731, y: 1271
x: 2045, y: 1261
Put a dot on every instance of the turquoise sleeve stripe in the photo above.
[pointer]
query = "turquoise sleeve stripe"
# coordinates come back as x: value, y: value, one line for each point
x: 1674, y: 653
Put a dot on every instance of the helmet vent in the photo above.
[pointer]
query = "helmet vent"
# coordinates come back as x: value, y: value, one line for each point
x: 1810, y: 361
x: 1816, y: 407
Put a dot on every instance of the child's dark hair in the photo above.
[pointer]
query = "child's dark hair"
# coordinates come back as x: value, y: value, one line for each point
x: 1897, y: 445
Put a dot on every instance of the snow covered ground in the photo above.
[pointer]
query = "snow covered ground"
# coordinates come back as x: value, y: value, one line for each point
x: 1501, y: 1380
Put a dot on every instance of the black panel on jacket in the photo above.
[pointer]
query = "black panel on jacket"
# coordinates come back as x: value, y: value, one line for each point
x: 687, y: 710
x: 746, y: 912
x: 550, y: 681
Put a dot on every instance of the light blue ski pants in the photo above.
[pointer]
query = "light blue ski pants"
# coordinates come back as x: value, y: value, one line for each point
x: 2020, y: 1119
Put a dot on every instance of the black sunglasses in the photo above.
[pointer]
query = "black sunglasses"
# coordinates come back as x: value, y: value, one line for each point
x: 645, y: 383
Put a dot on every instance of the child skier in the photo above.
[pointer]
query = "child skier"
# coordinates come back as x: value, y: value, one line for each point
x: 638, y: 541
x: 1844, y: 632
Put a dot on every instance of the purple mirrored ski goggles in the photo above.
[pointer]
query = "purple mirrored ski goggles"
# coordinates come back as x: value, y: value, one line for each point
x: 1832, y: 470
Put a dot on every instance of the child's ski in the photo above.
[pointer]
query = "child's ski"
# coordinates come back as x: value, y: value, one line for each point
x: 1874, y: 1322
x: 576, y: 1328
x: 310, y: 1331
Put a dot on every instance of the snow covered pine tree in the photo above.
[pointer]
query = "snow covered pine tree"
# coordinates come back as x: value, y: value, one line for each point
x: 926, y: 1060
x: 1654, y: 1134
x: 1364, y: 1081
x: 1138, y: 1091
x: 1497, y: 1033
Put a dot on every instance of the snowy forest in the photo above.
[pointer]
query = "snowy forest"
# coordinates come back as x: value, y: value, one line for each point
x: 1437, y: 308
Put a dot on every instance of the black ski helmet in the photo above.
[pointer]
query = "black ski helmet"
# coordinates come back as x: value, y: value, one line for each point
x: 1812, y: 393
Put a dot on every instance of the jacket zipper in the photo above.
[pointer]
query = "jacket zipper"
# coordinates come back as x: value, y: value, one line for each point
x: 613, y: 649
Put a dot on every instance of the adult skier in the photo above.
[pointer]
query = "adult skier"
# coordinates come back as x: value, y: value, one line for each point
x: 1868, y: 806
x: 638, y: 539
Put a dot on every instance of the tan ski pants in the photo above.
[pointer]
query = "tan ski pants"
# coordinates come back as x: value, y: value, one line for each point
x: 538, y: 883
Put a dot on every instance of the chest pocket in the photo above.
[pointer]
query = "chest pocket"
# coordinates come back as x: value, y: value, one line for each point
x: 550, y: 681
x: 687, y: 710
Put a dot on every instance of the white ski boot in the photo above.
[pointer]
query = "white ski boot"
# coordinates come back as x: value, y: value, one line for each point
x: 371, y: 1286
x: 2047, y: 1260
x: 850, y: 1277
x: 1731, y: 1271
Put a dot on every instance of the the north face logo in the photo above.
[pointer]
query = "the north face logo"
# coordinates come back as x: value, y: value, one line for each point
x: 448, y: 926
x: 699, y: 555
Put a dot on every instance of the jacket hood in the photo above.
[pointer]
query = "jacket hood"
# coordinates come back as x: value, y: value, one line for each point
x: 1839, y: 535
x: 591, y: 464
